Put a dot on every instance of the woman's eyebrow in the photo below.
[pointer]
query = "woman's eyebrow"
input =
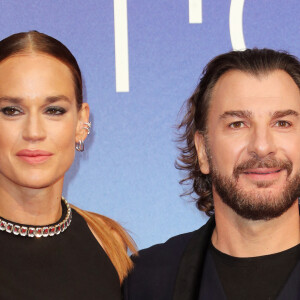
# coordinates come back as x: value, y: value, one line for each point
x: 52, y: 99
x: 14, y: 100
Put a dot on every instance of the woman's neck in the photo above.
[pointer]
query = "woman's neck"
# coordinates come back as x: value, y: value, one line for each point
x: 31, y: 206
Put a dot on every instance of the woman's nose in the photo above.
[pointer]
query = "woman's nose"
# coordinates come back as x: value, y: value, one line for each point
x: 34, y: 128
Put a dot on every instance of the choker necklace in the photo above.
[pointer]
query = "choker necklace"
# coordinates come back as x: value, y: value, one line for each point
x: 37, y: 231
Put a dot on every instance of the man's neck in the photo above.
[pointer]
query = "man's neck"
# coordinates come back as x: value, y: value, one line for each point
x: 239, y: 237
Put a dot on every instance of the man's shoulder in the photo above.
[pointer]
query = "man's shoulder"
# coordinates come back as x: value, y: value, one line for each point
x: 156, y: 267
x: 166, y: 251
x: 172, y: 249
x: 155, y: 270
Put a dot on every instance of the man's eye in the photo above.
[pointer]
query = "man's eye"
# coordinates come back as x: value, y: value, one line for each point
x: 283, y: 124
x: 55, y: 110
x: 11, y: 111
x: 236, y: 125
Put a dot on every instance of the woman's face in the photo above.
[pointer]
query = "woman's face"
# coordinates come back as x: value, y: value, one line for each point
x: 39, y: 120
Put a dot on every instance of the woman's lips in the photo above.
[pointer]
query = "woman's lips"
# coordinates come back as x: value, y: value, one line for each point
x: 34, y: 156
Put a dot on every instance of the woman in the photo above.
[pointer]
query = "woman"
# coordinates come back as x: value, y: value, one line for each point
x: 49, y: 250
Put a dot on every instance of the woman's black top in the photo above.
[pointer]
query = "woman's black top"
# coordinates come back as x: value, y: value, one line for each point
x: 71, y: 265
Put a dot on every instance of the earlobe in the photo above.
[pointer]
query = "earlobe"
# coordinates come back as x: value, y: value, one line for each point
x: 199, y: 141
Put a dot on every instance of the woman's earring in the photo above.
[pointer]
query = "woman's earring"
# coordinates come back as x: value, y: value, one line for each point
x: 87, y: 126
x: 79, y: 146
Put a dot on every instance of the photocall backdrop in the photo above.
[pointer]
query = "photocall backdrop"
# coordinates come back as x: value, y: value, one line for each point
x: 140, y: 60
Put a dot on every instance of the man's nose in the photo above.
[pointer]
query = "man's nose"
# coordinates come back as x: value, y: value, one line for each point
x: 34, y: 129
x: 261, y: 142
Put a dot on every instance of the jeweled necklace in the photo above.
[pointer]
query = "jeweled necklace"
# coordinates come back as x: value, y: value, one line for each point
x: 36, y: 231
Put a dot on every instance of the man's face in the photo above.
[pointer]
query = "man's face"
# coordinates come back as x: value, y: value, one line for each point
x: 252, y: 143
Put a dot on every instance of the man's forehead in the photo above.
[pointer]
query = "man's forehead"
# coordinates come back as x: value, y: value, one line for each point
x: 237, y: 90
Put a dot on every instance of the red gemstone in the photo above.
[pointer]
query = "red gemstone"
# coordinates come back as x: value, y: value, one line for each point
x: 58, y: 229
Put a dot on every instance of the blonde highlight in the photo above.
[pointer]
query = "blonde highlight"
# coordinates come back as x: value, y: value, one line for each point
x: 114, y: 240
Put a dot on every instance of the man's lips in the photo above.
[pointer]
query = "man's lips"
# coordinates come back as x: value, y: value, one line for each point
x: 34, y: 156
x: 262, y: 171
x: 262, y: 174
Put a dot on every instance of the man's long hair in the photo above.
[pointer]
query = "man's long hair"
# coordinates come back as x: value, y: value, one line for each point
x: 252, y: 61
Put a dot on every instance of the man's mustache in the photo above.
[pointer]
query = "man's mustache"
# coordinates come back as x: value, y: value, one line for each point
x: 255, y: 163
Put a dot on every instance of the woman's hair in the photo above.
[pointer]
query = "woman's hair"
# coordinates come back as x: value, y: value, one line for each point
x: 113, y: 237
x: 36, y: 42
x: 114, y: 240
x: 256, y: 62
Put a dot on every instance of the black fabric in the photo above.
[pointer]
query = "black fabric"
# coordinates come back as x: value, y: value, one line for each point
x: 155, y: 270
x: 189, y: 274
x: 291, y: 289
x: 174, y: 271
x: 71, y: 265
x: 171, y: 270
x: 211, y: 287
x: 259, y: 278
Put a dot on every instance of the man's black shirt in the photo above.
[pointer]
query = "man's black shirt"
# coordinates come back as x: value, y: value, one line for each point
x: 256, y: 278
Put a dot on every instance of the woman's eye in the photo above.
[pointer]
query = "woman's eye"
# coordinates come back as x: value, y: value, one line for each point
x: 237, y: 125
x: 283, y: 124
x: 55, y: 110
x: 11, y: 111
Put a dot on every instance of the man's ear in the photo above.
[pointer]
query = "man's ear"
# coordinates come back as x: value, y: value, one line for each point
x: 199, y: 141
x: 83, y: 117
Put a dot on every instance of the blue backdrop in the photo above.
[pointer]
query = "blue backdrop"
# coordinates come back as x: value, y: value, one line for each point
x: 127, y: 171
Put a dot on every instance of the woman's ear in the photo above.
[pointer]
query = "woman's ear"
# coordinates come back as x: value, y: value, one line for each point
x: 82, y: 130
x: 199, y: 141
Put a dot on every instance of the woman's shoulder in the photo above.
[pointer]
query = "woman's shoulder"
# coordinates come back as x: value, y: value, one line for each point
x: 113, y: 238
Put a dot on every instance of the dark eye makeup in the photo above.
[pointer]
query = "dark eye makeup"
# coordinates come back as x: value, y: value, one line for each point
x: 11, y: 110
x: 55, y: 110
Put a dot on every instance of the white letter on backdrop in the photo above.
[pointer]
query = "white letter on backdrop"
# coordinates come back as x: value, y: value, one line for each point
x: 236, y: 25
x: 121, y: 45
x: 195, y: 11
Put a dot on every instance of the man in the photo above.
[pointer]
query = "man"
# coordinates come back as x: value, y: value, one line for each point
x: 241, y: 152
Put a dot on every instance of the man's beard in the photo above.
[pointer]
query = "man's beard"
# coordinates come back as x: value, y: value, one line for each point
x: 257, y: 204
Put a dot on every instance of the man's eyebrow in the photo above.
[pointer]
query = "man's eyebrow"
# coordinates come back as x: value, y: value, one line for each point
x: 284, y: 113
x: 236, y: 113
